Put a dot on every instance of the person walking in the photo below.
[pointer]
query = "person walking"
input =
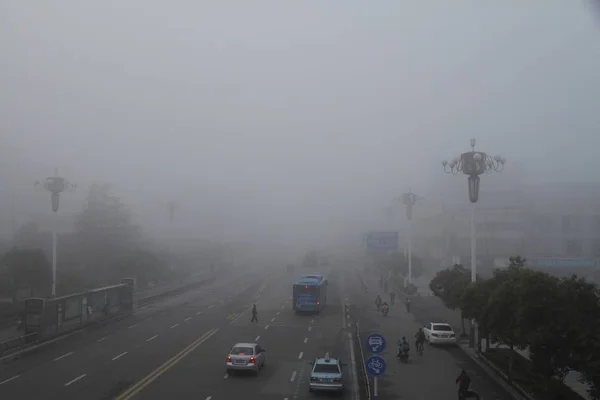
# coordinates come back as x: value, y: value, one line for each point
x: 254, y: 314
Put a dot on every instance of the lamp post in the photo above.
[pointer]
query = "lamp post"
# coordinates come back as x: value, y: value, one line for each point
x: 473, y: 164
x: 172, y: 206
x: 409, y: 200
x: 55, y: 185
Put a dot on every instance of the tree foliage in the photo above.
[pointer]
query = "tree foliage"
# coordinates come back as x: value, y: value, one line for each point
x: 557, y: 319
x: 28, y: 269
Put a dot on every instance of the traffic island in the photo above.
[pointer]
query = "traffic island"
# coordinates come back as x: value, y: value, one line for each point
x: 521, y: 377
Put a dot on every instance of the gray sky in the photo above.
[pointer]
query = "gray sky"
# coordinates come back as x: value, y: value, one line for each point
x: 277, y: 119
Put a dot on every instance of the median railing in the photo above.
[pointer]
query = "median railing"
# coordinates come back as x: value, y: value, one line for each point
x: 361, y: 367
x: 64, y: 315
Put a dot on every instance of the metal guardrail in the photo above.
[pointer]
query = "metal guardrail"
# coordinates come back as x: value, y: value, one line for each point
x: 17, y: 343
x: 12, y: 345
x: 362, y: 367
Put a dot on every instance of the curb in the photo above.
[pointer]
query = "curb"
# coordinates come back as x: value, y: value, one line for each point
x: 498, y: 376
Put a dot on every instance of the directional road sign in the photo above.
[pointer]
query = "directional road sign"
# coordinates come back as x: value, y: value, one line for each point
x: 375, y: 365
x: 375, y: 343
x: 382, y: 240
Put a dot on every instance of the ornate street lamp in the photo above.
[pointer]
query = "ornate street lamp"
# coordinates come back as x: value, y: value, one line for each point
x: 55, y: 185
x: 473, y: 164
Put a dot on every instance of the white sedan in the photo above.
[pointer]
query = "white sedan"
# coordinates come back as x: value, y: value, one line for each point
x: 439, y: 333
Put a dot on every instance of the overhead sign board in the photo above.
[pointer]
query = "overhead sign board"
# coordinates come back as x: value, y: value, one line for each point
x: 381, y: 240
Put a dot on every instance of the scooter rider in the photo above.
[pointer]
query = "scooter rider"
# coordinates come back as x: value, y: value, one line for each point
x: 403, y: 347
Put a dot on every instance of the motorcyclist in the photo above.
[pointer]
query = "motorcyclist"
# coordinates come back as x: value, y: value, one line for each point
x: 464, y: 382
x: 420, y: 339
x: 403, y: 346
x: 385, y: 307
x: 378, y: 302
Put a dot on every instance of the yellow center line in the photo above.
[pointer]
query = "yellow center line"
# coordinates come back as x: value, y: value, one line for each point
x: 144, y: 382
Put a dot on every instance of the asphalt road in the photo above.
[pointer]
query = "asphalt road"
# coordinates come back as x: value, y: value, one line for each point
x: 430, y: 376
x: 176, y: 349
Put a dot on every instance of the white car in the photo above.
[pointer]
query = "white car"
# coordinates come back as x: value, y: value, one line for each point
x: 439, y: 333
x: 245, y: 357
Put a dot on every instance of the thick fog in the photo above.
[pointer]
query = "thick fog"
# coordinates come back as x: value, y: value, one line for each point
x: 288, y: 122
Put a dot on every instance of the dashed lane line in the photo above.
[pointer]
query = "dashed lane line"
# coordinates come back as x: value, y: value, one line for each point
x: 293, y: 378
x: 140, y: 385
x: 152, y: 338
x: 75, y: 380
x: 9, y: 379
x: 272, y: 319
x: 102, y: 339
x: 119, y: 356
x: 63, y: 356
x: 300, y: 355
x: 132, y: 326
x: 199, y: 312
x: 187, y: 319
x: 175, y: 326
x: 305, y: 339
x: 266, y: 326
x: 258, y: 337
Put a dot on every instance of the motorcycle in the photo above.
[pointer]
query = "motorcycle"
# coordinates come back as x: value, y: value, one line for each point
x: 403, y: 354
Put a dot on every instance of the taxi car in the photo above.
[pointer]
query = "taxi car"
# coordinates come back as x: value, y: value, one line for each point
x: 245, y: 357
x: 327, y: 374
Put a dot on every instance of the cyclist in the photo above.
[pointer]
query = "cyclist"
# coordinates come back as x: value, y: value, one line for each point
x: 403, y: 347
x: 420, y: 339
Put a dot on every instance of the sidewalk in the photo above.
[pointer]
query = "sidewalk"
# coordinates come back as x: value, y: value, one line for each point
x: 430, y: 308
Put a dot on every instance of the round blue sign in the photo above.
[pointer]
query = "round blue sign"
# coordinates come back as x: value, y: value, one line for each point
x: 375, y: 365
x: 375, y: 343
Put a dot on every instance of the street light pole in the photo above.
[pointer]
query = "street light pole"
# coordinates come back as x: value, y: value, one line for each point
x: 55, y: 185
x: 409, y: 200
x: 172, y: 206
x: 473, y: 164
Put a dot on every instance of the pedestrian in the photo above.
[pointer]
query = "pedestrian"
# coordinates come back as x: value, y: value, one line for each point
x: 254, y: 314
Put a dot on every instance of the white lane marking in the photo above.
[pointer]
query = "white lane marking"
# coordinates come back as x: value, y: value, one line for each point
x: 9, y: 379
x: 211, y: 306
x: 278, y: 312
x: 300, y: 355
x: 258, y: 337
x: 132, y: 326
x: 149, y: 319
x: 152, y: 338
x: 63, y: 356
x: 272, y: 319
x: 199, y: 312
x: 75, y: 380
x: 209, y: 397
x: 305, y: 339
x: 310, y: 328
x: 282, y: 306
x: 175, y: 326
x: 221, y: 301
x: 119, y: 356
x: 226, y: 376
x: 293, y: 378
x: 187, y: 319
x: 101, y: 339
x: 267, y: 327
x: 312, y: 321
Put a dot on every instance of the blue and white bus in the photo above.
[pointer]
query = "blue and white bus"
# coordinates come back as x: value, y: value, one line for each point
x: 309, y: 295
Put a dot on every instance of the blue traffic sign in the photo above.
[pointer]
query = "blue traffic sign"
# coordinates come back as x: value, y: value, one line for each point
x: 382, y: 240
x: 375, y: 365
x: 375, y: 343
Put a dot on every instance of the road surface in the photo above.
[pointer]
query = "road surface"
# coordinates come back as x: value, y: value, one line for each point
x: 176, y: 349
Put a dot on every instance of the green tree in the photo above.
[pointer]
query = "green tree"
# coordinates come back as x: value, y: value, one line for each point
x: 28, y: 269
x: 450, y: 285
x: 106, y: 232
